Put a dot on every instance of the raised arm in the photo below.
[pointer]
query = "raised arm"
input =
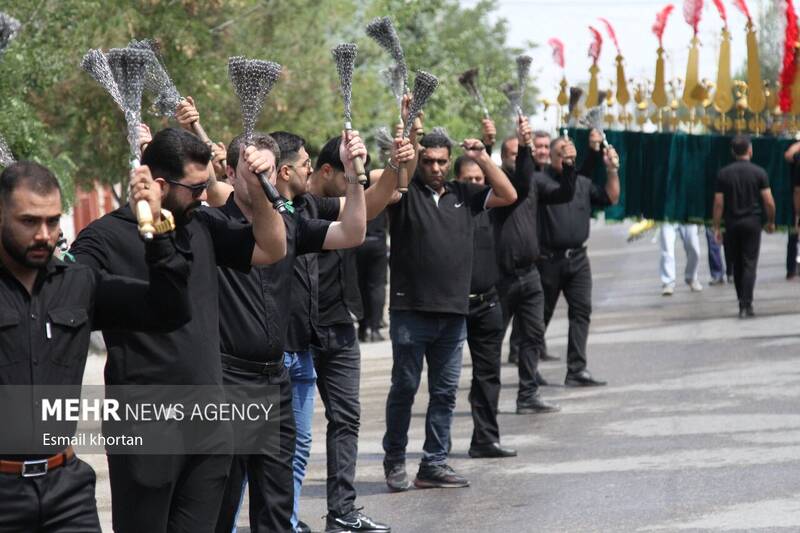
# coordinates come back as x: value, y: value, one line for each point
x: 268, y: 226
x: 218, y: 192
x: 350, y: 229
x: 384, y: 190
x: 524, y: 167
x: 562, y: 189
x: 612, y: 175
x: 162, y: 304
x: 503, y: 193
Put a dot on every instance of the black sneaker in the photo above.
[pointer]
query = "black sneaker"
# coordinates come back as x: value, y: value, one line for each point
x: 439, y: 477
x: 396, y: 477
x: 355, y: 520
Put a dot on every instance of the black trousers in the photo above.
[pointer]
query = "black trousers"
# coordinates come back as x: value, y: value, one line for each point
x: 573, y: 277
x: 61, y: 501
x: 269, y: 476
x: 372, y: 266
x: 744, y: 243
x: 521, y: 296
x: 485, y: 339
x: 337, y: 361
x: 166, y: 493
x: 791, y: 253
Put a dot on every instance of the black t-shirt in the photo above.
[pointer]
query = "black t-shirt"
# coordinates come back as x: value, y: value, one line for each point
x: 339, y: 295
x: 188, y: 355
x: 304, y: 318
x: 741, y: 183
x: 253, y: 306
x: 516, y: 226
x: 485, y: 273
x: 567, y: 225
x: 432, y: 247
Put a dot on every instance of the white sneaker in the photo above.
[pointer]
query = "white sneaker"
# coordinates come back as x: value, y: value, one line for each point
x: 695, y: 285
x: 667, y: 290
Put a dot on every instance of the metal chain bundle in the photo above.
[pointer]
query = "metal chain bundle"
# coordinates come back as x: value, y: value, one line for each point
x: 511, y: 90
x: 128, y: 66
x: 393, y: 77
x: 252, y: 80
x: 6, y: 157
x: 383, y: 138
x: 157, y: 81
x: 523, y: 69
x: 345, y: 57
x: 96, y: 64
x: 469, y: 80
x: 382, y: 31
x: 9, y: 27
x: 424, y: 85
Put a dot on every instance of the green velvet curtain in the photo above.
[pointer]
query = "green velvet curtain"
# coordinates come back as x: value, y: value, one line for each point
x: 670, y: 176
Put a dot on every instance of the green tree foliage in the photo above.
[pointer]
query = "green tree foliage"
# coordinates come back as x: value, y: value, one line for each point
x: 55, y: 113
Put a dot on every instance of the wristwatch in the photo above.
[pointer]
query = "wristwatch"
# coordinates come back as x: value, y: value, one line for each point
x: 351, y: 180
x: 166, y: 224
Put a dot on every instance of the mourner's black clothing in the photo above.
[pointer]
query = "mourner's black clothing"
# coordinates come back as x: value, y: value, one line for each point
x: 373, y: 261
x: 433, y: 236
x: 253, y: 305
x: 564, y: 264
x: 520, y: 288
x: 484, y: 334
x: 304, y: 319
x: 565, y: 226
x: 169, y: 492
x: 188, y: 355
x: 741, y: 184
x: 44, y: 340
x: 253, y: 326
x: 44, y: 336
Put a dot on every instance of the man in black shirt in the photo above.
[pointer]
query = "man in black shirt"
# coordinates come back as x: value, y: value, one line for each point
x: 253, y: 329
x: 508, y: 156
x: 517, y: 244
x: 337, y: 357
x: 372, y: 259
x: 160, y: 493
x: 432, y: 237
x: 741, y: 196
x: 564, y: 263
x: 48, y: 308
x: 484, y: 328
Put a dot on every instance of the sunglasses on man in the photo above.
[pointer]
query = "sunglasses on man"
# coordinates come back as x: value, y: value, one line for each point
x: 196, y: 190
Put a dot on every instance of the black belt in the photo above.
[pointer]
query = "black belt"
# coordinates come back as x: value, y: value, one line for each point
x: 483, y: 297
x: 268, y: 367
x: 562, y: 253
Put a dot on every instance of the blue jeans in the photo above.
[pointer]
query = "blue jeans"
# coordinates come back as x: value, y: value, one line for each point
x: 303, y: 377
x: 715, y: 264
x: 439, y: 339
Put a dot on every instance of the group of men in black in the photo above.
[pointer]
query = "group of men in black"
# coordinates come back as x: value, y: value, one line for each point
x: 235, y: 293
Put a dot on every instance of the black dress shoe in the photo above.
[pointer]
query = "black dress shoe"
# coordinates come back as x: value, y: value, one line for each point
x: 363, y: 333
x: 544, y: 356
x: 302, y: 527
x: 536, y: 405
x: 582, y: 379
x: 540, y: 379
x: 376, y: 336
x: 746, y: 311
x: 490, y: 451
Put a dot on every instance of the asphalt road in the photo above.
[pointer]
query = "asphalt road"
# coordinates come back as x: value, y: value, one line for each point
x: 698, y: 430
